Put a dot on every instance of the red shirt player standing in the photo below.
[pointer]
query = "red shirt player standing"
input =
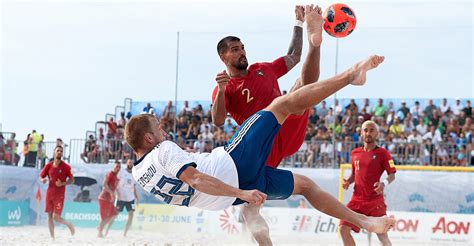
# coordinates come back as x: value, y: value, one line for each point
x: 108, y: 212
x: 59, y: 175
x: 368, y: 164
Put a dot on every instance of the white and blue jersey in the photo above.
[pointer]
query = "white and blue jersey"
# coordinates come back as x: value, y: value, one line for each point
x: 240, y: 163
x: 157, y: 172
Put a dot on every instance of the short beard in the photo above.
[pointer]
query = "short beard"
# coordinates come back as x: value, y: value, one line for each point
x: 242, y: 65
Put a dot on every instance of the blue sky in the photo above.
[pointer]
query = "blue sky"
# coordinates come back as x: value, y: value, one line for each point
x: 67, y: 63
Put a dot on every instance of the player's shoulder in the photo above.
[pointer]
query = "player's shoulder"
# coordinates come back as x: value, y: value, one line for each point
x: 357, y: 150
x: 382, y: 150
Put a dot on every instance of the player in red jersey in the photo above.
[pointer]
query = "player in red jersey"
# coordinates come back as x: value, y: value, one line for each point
x: 59, y: 175
x: 368, y: 164
x: 243, y: 91
x: 108, y: 212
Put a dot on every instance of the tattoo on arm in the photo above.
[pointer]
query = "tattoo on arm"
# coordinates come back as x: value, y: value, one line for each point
x: 294, y: 51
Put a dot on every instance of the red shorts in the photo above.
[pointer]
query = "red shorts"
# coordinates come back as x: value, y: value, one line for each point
x: 107, y: 209
x: 54, y: 205
x: 289, y: 139
x: 375, y: 208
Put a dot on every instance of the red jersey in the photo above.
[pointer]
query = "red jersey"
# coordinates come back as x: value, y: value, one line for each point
x: 247, y: 95
x: 112, y: 181
x: 368, y: 167
x: 61, y: 172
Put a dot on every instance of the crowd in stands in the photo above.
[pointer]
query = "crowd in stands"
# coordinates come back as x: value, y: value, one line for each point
x: 430, y: 135
x: 34, y: 152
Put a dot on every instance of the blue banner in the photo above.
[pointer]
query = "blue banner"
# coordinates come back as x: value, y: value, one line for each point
x: 87, y: 215
x: 13, y: 213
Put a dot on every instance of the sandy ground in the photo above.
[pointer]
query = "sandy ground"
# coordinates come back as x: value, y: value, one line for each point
x: 38, y: 235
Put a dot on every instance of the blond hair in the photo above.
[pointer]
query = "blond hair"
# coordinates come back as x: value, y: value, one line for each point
x: 136, y: 128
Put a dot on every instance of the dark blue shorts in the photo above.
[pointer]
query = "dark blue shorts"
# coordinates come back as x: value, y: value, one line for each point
x: 249, y: 148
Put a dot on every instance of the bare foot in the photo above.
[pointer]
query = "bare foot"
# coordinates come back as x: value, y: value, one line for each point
x: 314, y: 22
x: 360, y: 69
x: 72, y: 229
x: 378, y: 224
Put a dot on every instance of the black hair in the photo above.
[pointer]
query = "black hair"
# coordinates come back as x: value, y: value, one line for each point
x: 222, y: 46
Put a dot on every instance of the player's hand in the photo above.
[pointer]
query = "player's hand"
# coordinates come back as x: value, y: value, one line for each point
x: 59, y: 183
x: 299, y: 12
x: 43, y: 180
x: 379, y: 186
x: 253, y: 196
x: 345, y: 184
x: 222, y: 79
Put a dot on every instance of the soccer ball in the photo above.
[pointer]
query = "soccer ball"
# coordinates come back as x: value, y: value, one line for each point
x: 339, y: 20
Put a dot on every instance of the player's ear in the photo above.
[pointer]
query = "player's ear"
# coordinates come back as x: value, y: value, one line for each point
x: 148, y: 137
x: 222, y: 56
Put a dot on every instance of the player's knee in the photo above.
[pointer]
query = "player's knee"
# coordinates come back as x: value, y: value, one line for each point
x: 303, y: 185
x: 57, y: 217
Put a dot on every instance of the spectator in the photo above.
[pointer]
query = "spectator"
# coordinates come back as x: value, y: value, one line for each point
x: 353, y: 107
x: 186, y: 110
x: 169, y: 112
x: 101, y: 145
x: 193, y: 130
x: 444, y: 106
x: 200, y: 111
x: 111, y: 128
x: 2, y: 148
x: 89, y: 148
x: 416, y: 112
x: 468, y: 109
x: 148, y: 110
x: 442, y: 156
x: 429, y: 109
x: 205, y: 123
x: 313, y: 117
x: 323, y: 110
x: 207, y: 135
x: 367, y: 107
x: 434, y: 135
x: 364, y: 114
x: 337, y: 108
x: 403, y: 110
x: 122, y: 121
x: 456, y: 108
x: 390, y: 107
x: 199, y: 144
x: 182, y: 126
x: 422, y: 128
x: 396, y: 129
x: 408, y: 125
x: 32, y: 155
x: 12, y: 146
x: 228, y: 126
x: 380, y: 110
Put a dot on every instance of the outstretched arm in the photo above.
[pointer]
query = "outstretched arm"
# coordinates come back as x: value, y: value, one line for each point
x: 293, y: 55
x: 215, y: 187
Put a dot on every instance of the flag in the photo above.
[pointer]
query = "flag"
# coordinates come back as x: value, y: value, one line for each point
x: 38, y: 195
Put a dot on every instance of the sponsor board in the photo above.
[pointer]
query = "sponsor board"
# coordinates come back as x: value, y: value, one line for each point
x: 301, y: 224
x: 170, y: 219
x: 13, y: 213
x: 87, y: 215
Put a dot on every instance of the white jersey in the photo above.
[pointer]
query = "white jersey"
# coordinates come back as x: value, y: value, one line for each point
x: 125, y: 187
x: 157, y: 171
